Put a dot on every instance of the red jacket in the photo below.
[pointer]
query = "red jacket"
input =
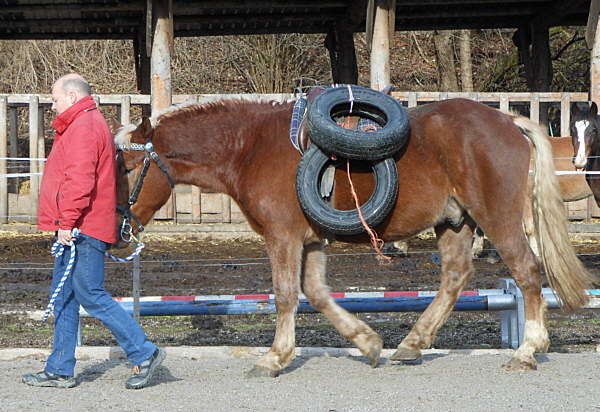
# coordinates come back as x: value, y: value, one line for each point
x: 78, y: 186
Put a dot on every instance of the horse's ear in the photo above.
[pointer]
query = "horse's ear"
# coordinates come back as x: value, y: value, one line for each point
x: 574, y: 109
x: 594, y: 109
x: 115, y: 124
x: 145, y: 128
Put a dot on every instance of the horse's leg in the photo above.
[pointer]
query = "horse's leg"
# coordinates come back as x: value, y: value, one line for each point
x: 454, y: 244
x: 317, y: 292
x: 478, y: 241
x: 286, y: 260
x: 512, y: 245
x: 525, y: 268
x: 401, y: 247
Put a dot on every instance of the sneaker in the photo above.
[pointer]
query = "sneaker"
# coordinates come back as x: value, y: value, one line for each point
x: 143, y: 372
x: 45, y: 378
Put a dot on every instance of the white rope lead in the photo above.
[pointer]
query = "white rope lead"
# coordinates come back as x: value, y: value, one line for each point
x: 136, y: 252
x: 58, y: 249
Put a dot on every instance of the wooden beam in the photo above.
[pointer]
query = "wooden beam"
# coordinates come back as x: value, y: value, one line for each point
x: 162, y: 45
x: 34, y: 136
x: 380, y: 48
x: 148, y: 29
x: 3, y: 162
x: 554, y: 13
x: 142, y: 54
x: 595, y: 68
x: 160, y: 61
x: 340, y: 44
x: 370, y: 23
x: 592, y: 23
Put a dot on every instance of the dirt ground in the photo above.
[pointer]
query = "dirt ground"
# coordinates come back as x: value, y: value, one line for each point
x: 180, y: 265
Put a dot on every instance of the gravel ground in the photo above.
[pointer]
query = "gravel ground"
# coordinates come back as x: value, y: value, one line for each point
x: 193, y: 378
x: 441, y: 382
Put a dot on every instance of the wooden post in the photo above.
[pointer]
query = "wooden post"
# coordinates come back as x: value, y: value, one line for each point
x: 595, y: 67
x: 136, y: 287
x: 3, y: 162
x: 196, y: 205
x: 225, y: 208
x: 142, y: 63
x: 534, y: 112
x: 340, y: 44
x: 504, y: 103
x: 565, y: 113
x: 41, y: 140
x: 160, y: 62
x: 13, y: 131
x: 592, y: 38
x: 34, y: 180
x: 13, y: 142
x: 162, y: 45
x: 537, y: 61
x: 383, y: 28
x: 592, y: 23
x: 124, y: 115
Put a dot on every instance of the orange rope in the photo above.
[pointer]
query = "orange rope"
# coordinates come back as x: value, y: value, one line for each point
x: 377, y: 243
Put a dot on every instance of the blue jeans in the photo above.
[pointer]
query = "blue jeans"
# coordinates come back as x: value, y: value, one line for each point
x: 85, y: 286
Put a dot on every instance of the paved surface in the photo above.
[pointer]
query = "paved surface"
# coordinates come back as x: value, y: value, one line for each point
x: 213, y: 379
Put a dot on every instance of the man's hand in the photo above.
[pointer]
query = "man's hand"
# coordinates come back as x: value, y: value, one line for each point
x: 64, y: 237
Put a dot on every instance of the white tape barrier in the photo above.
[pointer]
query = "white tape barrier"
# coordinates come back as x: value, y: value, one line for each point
x: 21, y: 159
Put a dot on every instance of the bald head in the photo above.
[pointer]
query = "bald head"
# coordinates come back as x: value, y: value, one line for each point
x: 68, y: 90
x: 74, y: 82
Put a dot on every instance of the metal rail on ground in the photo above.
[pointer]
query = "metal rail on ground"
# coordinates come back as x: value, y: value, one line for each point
x: 507, y: 300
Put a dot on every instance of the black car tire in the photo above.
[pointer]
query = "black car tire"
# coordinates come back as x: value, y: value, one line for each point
x: 344, y: 222
x: 380, y: 108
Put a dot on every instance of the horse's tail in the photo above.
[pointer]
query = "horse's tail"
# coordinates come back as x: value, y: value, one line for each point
x: 565, y: 272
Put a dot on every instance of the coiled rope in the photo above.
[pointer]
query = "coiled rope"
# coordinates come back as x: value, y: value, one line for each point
x: 58, y: 249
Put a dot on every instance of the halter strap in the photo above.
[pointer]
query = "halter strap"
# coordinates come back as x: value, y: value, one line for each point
x: 149, y: 153
x: 148, y: 150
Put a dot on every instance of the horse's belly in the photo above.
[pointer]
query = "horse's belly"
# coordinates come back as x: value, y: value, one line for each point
x: 422, y: 200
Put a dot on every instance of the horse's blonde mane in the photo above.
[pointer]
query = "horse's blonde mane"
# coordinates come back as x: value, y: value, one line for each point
x: 123, y: 135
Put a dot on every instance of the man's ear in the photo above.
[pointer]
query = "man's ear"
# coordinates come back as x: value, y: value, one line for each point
x: 72, y: 95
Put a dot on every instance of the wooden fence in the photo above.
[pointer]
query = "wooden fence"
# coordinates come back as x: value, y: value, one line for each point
x: 26, y: 135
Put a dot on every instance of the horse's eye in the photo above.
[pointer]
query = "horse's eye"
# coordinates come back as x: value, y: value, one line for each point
x: 127, y: 171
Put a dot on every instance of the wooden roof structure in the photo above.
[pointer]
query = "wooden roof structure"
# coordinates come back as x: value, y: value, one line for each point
x: 123, y: 19
x: 153, y: 25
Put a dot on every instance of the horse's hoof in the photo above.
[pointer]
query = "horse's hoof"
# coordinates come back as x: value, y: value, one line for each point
x: 520, y: 365
x: 374, y: 352
x: 405, y: 354
x: 262, y: 372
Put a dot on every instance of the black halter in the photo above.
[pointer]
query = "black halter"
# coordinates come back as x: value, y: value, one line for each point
x: 149, y: 153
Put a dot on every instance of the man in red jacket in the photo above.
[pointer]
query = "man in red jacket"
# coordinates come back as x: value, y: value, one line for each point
x: 78, y: 192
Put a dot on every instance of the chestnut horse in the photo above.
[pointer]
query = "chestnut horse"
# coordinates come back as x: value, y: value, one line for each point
x: 572, y: 154
x: 586, y: 143
x: 465, y: 164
